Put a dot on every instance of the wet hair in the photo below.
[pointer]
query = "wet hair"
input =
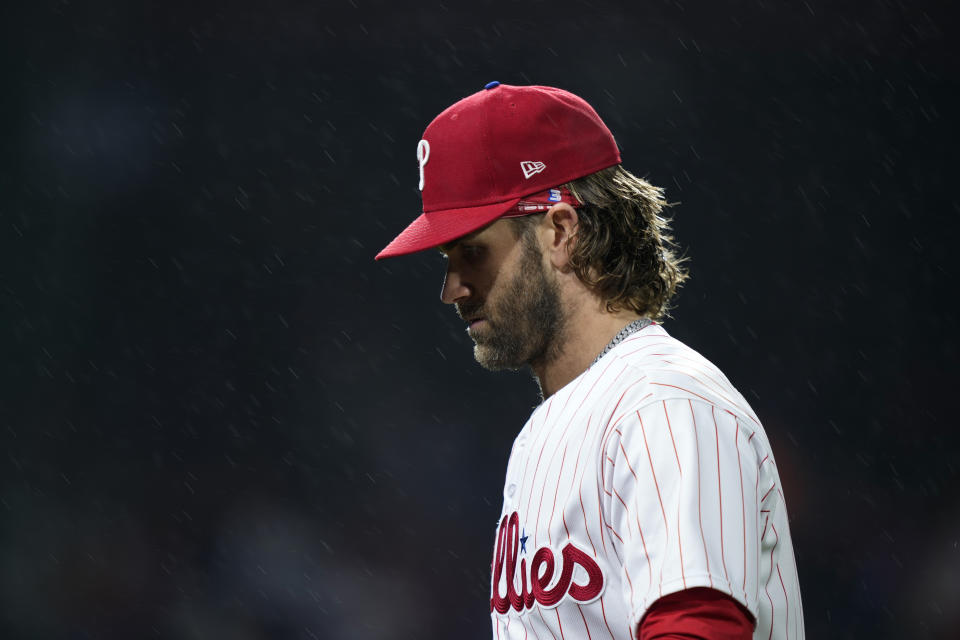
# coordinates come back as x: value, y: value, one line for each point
x: 622, y: 248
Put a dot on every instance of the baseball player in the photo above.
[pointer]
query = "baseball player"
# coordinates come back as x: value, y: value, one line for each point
x: 641, y: 499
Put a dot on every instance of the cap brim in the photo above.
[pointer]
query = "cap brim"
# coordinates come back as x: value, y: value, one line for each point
x: 439, y: 227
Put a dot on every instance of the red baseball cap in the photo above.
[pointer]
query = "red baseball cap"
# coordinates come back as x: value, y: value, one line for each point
x: 481, y: 156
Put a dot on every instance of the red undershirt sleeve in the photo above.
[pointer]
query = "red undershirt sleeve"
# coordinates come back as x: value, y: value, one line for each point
x: 696, y: 614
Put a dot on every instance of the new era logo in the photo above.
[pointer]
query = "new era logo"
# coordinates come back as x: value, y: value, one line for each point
x: 531, y: 168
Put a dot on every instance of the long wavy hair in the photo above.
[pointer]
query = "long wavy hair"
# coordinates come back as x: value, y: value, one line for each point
x: 623, y: 248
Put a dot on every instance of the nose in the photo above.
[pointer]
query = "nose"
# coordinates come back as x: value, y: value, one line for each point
x: 454, y: 287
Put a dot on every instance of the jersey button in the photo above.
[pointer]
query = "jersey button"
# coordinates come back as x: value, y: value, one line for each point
x: 512, y: 489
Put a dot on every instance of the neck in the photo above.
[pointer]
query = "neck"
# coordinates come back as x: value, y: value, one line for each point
x: 588, y: 329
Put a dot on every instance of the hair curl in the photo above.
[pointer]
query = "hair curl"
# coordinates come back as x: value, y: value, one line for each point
x: 622, y: 248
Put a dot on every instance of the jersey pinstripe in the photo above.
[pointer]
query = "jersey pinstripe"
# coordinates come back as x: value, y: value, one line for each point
x: 646, y: 475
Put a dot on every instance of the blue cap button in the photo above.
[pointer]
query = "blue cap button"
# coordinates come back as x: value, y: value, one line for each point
x: 491, y: 85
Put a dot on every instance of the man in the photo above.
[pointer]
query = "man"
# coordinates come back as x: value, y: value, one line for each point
x: 641, y: 498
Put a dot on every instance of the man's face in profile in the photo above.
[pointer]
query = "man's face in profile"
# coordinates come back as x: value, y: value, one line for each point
x: 501, y: 287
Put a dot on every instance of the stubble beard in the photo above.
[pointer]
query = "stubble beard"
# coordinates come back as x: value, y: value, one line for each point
x: 525, y: 323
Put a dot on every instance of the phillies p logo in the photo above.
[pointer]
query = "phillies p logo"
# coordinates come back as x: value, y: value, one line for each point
x: 423, y: 154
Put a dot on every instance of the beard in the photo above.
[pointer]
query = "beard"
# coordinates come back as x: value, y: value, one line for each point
x: 524, y: 320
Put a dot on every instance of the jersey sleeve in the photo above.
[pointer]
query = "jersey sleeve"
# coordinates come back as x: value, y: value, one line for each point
x: 679, y: 479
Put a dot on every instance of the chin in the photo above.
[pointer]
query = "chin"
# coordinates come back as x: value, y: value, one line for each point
x: 493, y: 360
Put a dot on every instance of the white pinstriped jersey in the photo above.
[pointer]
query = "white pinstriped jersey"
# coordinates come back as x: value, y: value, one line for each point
x: 646, y: 475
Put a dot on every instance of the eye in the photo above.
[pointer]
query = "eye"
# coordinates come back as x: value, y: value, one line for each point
x: 472, y: 253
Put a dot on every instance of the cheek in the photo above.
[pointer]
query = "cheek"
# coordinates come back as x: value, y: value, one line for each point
x: 508, y: 295
x: 487, y: 285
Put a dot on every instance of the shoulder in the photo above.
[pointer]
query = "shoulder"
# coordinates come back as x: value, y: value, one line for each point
x: 673, y: 370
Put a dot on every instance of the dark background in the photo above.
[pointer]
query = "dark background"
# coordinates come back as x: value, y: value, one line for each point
x: 220, y: 418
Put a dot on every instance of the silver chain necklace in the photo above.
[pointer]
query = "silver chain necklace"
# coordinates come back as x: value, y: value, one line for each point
x: 628, y: 330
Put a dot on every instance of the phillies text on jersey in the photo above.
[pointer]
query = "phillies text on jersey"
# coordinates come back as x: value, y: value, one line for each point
x: 646, y: 475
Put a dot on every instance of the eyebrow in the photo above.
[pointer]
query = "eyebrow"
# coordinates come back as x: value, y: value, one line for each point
x: 447, y: 246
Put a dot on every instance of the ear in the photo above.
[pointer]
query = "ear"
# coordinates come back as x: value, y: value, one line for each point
x: 560, y: 224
